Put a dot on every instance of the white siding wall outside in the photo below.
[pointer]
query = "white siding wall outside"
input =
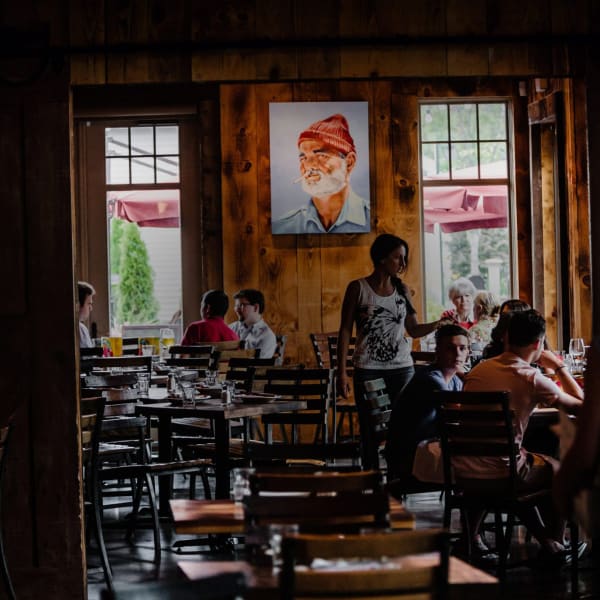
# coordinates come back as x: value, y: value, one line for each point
x: 164, y: 251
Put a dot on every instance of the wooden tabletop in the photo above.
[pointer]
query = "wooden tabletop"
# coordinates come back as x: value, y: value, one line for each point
x: 224, y: 516
x: 460, y: 575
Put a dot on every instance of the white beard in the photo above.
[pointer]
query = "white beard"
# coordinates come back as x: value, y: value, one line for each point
x: 327, y: 184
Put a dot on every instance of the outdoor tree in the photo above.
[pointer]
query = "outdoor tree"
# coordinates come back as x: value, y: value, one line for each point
x: 136, y: 302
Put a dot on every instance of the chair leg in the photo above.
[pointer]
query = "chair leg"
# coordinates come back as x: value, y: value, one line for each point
x: 99, y: 533
x: 155, y: 520
x: 205, y: 484
x: 137, y: 499
x: 574, y: 530
x: 503, y: 539
x: 8, y: 586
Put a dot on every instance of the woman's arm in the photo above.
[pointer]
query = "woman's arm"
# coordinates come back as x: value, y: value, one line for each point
x: 416, y: 329
x: 344, y: 335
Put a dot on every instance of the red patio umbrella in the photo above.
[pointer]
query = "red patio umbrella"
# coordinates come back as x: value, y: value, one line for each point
x: 147, y: 208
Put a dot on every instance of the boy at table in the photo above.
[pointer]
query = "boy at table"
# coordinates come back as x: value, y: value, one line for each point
x: 249, y: 305
x: 212, y: 326
x: 513, y: 371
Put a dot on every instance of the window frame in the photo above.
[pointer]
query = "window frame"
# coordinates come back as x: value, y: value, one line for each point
x: 508, y: 181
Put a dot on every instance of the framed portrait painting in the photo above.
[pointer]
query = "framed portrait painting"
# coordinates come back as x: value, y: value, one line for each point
x: 319, y: 154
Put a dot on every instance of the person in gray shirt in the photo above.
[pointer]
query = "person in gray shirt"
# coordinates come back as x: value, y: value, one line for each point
x: 250, y: 327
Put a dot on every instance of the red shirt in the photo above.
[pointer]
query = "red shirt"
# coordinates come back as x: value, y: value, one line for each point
x: 213, y: 329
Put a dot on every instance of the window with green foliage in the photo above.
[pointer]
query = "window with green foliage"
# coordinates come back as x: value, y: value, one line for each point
x: 143, y: 224
x: 465, y: 150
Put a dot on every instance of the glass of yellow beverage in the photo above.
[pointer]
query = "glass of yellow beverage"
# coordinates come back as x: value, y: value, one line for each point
x: 116, y: 345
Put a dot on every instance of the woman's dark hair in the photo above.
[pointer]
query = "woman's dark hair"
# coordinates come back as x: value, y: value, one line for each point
x: 384, y: 245
x: 514, y: 305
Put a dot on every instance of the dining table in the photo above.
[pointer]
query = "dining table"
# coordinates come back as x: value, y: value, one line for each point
x: 221, y: 414
x: 465, y: 581
x: 207, y: 517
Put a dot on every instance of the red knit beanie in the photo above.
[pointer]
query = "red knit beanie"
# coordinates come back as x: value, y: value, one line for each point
x: 333, y: 130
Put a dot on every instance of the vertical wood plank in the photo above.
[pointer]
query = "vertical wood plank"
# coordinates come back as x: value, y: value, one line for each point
x: 278, y: 275
x: 239, y: 187
x: 86, y: 28
x: 317, y: 63
x: 578, y: 210
x: 12, y: 241
x: 127, y: 23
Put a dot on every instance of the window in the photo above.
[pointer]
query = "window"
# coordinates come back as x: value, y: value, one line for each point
x: 143, y: 225
x: 465, y: 177
x: 143, y: 154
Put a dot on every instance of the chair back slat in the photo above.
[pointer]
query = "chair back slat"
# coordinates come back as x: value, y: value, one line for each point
x: 316, y: 483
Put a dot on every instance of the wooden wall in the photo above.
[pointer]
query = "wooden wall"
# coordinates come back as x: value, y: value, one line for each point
x: 304, y: 277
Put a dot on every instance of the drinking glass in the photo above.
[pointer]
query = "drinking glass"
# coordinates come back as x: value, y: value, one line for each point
x: 188, y: 393
x: 241, y: 482
x: 277, y: 531
x: 143, y: 385
x: 577, y: 351
x: 167, y: 339
x: 147, y: 350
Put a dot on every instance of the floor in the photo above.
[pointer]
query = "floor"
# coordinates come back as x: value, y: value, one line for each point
x: 132, y: 564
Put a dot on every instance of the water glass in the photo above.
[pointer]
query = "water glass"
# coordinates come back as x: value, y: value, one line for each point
x: 147, y: 350
x: 277, y: 531
x: 241, y: 482
x: 189, y: 394
x: 143, y: 385
x: 210, y: 378
x: 577, y: 351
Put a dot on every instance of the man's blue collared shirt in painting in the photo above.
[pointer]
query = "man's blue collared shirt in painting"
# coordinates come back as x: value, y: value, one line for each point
x: 355, y: 217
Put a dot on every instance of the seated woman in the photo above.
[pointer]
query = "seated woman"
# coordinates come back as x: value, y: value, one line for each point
x: 461, y: 293
x: 498, y: 333
x: 486, y: 308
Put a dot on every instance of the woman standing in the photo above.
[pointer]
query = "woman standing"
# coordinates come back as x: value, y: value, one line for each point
x: 380, y: 306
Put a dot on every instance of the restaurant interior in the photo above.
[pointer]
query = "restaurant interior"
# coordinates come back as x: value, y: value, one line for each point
x: 74, y: 74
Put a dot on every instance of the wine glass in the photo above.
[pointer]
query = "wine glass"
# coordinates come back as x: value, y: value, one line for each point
x: 577, y: 351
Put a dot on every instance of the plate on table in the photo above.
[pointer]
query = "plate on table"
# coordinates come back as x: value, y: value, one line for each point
x: 254, y: 398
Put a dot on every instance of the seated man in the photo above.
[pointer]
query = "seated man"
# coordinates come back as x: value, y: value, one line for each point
x: 513, y: 371
x: 413, y: 417
x: 250, y: 326
x: 85, y: 294
x: 212, y: 327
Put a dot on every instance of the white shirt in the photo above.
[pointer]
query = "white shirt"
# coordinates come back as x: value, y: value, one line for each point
x: 85, y: 341
x: 258, y: 335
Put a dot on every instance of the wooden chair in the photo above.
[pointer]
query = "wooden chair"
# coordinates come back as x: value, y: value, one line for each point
x: 408, y: 572
x: 143, y: 471
x: 425, y: 358
x: 225, y: 356
x: 304, y: 456
x: 91, y: 413
x: 224, y: 586
x: 340, y: 513
x: 127, y: 363
x: 374, y: 421
x: 312, y: 385
x: 321, y: 348
x: 5, y: 434
x: 279, y: 353
x: 131, y: 346
x: 480, y: 425
x: 345, y: 408
x: 193, y: 357
x: 316, y: 483
x: 95, y: 352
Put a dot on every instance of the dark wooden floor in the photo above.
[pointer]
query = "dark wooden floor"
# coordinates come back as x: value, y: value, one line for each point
x: 132, y: 564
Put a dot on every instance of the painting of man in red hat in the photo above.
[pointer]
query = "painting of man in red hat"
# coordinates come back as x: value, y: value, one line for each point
x: 327, y: 158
